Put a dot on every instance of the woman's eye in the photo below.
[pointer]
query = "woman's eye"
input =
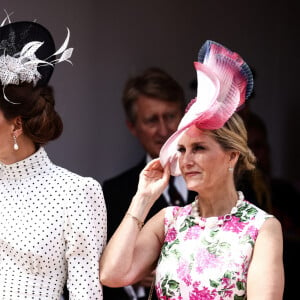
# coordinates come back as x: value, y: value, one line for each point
x: 181, y: 149
x: 198, y: 148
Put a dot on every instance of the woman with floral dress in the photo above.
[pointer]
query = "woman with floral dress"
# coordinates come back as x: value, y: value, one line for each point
x: 220, y: 246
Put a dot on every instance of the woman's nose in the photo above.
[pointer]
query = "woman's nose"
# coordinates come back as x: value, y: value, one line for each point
x: 187, y: 159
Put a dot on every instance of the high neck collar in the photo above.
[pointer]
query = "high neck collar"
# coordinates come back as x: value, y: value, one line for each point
x: 30, y: 166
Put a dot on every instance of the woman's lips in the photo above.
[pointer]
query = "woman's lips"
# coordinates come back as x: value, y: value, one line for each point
x: 191, y: 173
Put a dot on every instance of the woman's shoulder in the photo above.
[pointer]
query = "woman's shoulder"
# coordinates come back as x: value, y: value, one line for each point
x: 254, y: 215
x: 70, y: 175
x: 79, y: 191
x: 56, y: 170
x: 256, y: 210
x: 272, y: 225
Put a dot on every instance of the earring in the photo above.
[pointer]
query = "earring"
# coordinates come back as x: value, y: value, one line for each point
x: 16, y: 146
x: 230, y: 169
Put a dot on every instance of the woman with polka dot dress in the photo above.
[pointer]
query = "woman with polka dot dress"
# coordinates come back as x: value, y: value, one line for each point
x: 52, y: 221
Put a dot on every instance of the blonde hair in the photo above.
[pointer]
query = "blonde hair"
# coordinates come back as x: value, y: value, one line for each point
x: 233, y: 136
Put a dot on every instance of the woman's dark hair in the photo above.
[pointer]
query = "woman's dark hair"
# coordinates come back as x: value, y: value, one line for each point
x: 36, y: 108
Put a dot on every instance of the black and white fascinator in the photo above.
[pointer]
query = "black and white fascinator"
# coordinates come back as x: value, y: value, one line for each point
x: 28, y: 53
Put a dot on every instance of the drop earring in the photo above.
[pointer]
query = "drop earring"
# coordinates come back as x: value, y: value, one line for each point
x: 16, y: 146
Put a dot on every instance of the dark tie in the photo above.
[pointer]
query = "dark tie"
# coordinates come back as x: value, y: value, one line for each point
x: 175, y: 197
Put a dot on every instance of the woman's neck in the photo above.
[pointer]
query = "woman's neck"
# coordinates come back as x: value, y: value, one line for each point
x: 26, y: 149
x: 218, y: 202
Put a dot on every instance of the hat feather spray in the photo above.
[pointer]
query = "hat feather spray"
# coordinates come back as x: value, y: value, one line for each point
x: 224, y: 81
x: 27, y: 53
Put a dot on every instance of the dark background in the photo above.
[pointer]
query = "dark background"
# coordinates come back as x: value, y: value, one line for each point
x: 116, y: 39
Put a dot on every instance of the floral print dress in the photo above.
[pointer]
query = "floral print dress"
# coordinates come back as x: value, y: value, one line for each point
x: 207, y: 258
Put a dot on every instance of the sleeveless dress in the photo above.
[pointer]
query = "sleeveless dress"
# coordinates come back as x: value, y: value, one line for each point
x: 207, y: 258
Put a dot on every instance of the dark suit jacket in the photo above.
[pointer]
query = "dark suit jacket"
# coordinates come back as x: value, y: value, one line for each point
x: 118, y: 193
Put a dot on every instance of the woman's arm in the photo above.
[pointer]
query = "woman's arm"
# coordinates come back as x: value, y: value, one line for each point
x: 85, y: 236
x: 266, y: 273
x: 132, y: 253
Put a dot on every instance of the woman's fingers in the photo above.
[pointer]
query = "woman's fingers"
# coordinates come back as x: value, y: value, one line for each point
x: 167, y: 172
x: 153, y: 169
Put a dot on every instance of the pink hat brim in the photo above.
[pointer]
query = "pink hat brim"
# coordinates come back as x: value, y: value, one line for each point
x: 223, y: 82
x: 199, y: 109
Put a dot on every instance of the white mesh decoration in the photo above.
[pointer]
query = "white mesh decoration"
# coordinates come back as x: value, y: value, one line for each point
x: 23, y: 66
x: 15, y: 70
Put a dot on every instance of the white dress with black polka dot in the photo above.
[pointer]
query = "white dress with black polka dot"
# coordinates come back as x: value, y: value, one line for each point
x: 52, y: 228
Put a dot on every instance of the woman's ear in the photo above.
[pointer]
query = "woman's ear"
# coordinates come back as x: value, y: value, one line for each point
x: 234, y: 156
x: 17, y: 126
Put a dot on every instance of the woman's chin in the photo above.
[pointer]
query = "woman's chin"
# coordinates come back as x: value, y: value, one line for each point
x: 193, y: 186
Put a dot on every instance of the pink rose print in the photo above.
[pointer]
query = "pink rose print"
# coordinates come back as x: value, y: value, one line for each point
x: 183, y: 272
x: 204, y: 294
x: 227, y: 287
x: 204, y: 260
x: 171, y: 235
x: 159, y: 293
x: 252, y: 231
x: 192, y: 233
x: 234, y: 225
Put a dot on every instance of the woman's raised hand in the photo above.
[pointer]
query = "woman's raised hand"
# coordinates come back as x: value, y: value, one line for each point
x: 153, y: 180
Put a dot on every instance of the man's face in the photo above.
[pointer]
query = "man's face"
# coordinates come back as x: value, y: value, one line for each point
x: 156, y: 120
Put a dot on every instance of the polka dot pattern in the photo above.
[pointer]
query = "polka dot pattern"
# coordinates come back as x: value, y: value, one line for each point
x: 52, y: 229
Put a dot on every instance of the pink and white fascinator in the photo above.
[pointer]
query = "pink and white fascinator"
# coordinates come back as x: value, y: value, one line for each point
x: 28, y: 54
x: 224, y: 81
